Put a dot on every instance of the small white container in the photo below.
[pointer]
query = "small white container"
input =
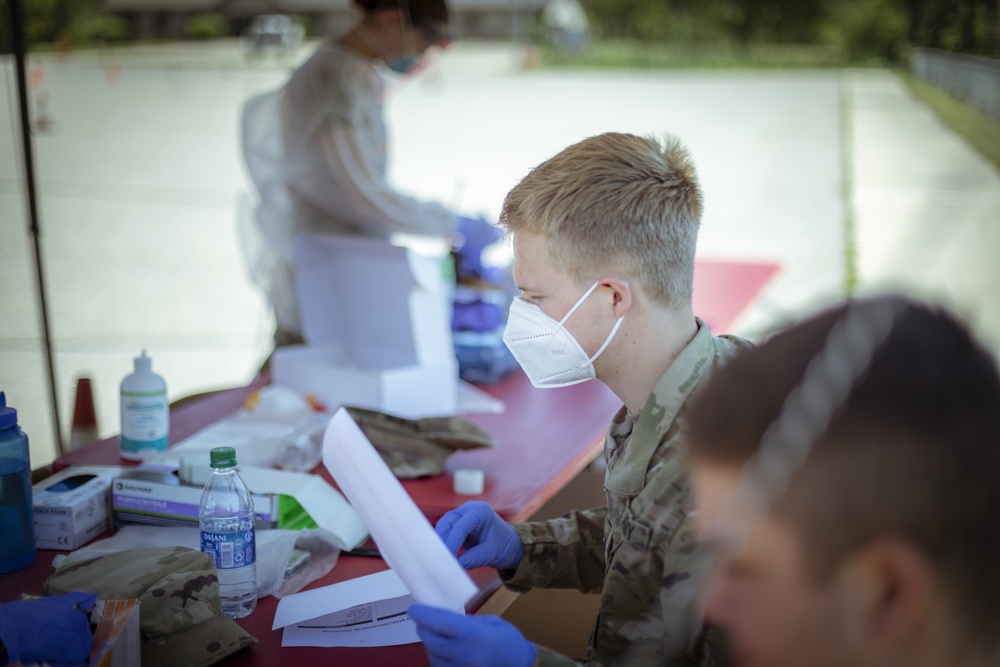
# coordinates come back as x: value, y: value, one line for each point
x: 145, y: 412
x: 469, y: 482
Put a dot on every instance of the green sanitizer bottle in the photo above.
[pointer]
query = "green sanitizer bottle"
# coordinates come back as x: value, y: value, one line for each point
x: 145, y: 412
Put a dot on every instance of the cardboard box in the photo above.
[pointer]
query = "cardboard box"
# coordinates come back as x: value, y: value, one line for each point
x: 377, y: 325
x: 72, y: 507
x: 117, y: 637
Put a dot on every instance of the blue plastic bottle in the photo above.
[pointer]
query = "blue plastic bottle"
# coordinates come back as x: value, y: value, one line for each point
x: 17, y: 519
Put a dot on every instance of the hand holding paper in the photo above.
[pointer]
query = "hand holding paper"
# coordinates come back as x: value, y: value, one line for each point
x: 488, y: 539
x: 470, y: 641
x: 403, y: 534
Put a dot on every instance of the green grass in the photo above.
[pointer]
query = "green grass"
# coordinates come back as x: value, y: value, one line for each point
x: 847, y: 190
x: 981, y: 131
x: 645, y: 55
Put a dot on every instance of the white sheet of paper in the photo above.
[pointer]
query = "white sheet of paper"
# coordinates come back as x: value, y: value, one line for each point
x: 307, y: 605
x: 367, y: 611
x: 380, y: 623
x: 405, y: 538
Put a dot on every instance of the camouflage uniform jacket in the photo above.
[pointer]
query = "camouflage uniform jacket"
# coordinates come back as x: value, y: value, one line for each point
x: 637, y: 550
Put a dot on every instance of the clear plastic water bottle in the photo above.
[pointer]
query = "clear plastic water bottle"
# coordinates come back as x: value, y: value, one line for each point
x: 17, y: 518
x: 227, y: 533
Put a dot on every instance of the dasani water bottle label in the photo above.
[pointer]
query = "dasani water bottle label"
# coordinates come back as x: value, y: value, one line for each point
x: 230, y: 550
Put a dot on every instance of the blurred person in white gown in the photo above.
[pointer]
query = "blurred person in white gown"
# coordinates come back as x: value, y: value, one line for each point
x: 317, y: 150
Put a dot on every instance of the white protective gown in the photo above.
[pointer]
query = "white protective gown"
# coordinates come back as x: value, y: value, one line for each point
x: 316, y: 150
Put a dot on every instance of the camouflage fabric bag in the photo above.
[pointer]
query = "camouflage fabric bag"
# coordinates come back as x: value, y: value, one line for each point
x: 417, y: 447
x: 179, y: 610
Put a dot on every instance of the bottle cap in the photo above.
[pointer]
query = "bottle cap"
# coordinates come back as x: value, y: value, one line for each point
x: 143, y: 364
x: 223, y: 457
x: 8, y: 416
x: 469, y: 481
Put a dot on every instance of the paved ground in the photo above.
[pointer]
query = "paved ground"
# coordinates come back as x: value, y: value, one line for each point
x: 927, y: 205
x: 140, y: 175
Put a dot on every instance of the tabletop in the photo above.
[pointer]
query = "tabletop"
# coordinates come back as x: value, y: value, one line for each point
x: 543, y: 439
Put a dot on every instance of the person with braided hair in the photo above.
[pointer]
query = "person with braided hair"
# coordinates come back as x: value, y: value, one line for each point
x: 846, y: 476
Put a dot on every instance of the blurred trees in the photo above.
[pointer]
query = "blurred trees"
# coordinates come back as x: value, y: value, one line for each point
x: 208, y: 25
x: 67, y: 21
x: 863, y: 29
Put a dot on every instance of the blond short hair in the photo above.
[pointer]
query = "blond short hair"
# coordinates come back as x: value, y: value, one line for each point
x: 616, y: 202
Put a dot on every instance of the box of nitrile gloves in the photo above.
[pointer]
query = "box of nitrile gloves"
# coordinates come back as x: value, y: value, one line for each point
x: 160, y: 498
x: 72, y: 506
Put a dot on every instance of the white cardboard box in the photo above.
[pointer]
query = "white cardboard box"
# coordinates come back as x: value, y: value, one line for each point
x: 377, y: 325
x: 72, y: 507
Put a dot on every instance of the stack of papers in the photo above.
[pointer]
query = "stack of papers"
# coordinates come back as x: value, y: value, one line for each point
x: 371, y: 611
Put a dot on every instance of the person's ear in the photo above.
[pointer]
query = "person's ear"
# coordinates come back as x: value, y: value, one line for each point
x: 890, y: 586
x: 620, y: 291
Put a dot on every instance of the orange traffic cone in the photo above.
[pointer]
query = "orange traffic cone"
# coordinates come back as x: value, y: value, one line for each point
x: 84, y: 429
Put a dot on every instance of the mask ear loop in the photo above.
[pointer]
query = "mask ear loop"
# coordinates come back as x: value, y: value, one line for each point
x: 614, y: 329
x: 607, y: 341
x: 409, y: 41
x: 579, y: 303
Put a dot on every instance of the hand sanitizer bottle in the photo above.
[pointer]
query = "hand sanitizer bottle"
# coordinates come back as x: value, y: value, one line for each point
x: 145, y: 412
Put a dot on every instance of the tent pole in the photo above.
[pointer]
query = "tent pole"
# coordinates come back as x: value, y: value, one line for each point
x: 20, y: 47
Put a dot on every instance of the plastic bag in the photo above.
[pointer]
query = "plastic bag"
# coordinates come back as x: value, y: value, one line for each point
x: 301, y: 556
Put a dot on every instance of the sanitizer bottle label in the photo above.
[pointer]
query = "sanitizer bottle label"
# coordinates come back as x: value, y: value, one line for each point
x: 145, y: 422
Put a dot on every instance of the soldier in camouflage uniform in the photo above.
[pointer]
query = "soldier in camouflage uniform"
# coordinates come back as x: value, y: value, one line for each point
x: 613, y: 218
x: 637, y: 550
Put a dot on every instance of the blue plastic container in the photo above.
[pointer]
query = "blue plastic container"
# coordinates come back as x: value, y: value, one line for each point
x: 17, y: 522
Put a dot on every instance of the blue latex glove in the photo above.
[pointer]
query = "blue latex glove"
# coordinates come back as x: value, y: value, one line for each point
x: 474, y: 234
x: 454, y: 640
x: 475, y: 316
x: 53, y: 630
x: 488, y: 539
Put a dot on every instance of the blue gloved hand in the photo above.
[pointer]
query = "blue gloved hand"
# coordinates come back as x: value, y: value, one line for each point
x: 476, y: 233
x: 454, y: 640
x: 488, y: 539
x: 53, y: 630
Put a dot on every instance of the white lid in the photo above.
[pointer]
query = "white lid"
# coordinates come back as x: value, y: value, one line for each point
x: 469, y: 481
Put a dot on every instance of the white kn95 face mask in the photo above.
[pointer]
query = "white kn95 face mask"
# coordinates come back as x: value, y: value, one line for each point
x: 546, y: 350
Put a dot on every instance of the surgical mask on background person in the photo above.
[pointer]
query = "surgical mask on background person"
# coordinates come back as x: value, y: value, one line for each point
x: 410, y: 60
x: 404, y: 64
x: 546, y: 350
